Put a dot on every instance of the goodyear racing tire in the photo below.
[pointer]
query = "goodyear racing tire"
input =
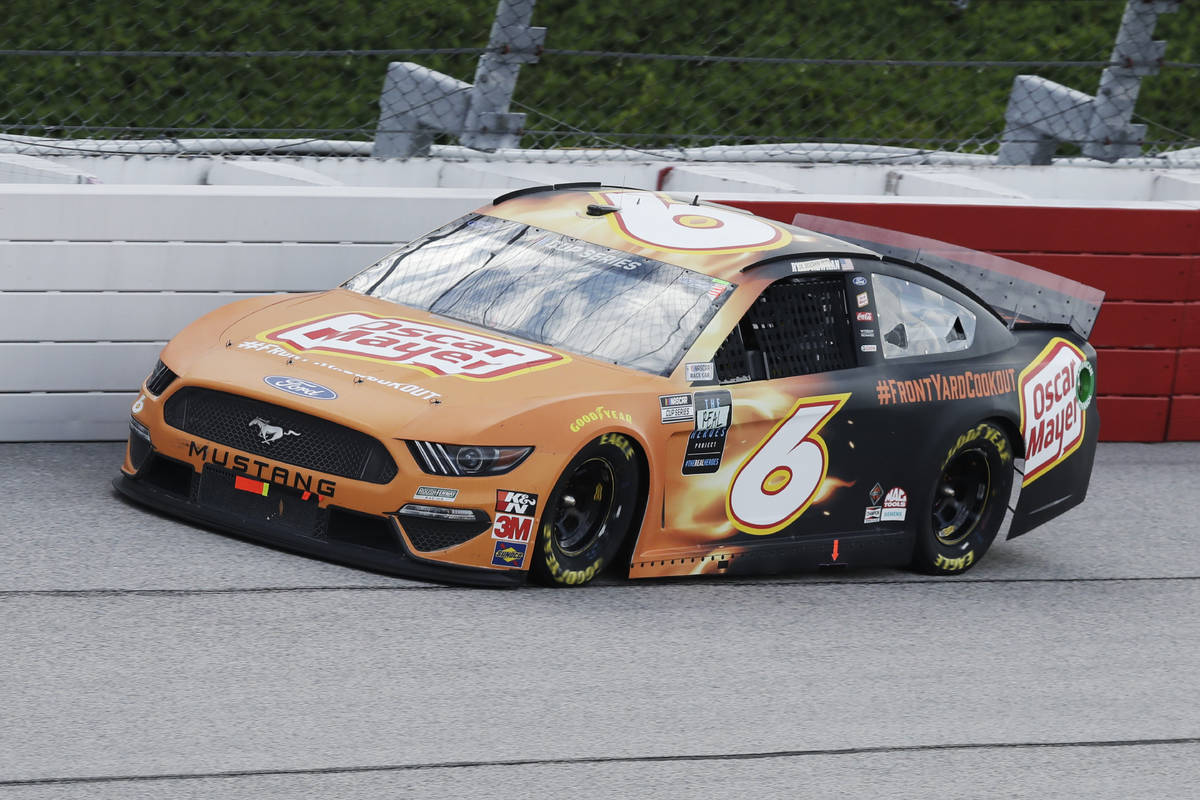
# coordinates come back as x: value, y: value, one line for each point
x: 969, y: 499
x: 591, y: 509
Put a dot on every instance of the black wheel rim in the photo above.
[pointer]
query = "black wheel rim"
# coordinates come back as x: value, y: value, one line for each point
x: 961, y: 497
x: 581, y: 515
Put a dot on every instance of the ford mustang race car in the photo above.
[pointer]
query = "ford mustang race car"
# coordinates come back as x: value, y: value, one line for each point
x: 581, y: 377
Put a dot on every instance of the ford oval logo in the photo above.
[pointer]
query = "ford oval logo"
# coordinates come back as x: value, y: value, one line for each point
x: 301, y: 387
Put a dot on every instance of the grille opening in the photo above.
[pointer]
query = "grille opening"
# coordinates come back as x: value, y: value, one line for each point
x: 362, y: 530
x: 428, y: 535
x: 160, y: 379
x: 797, y: 326
x: 168, y: 475
x: 279, y: 433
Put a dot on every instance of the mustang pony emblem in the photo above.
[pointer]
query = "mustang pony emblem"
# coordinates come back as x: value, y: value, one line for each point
x: 268, y: 432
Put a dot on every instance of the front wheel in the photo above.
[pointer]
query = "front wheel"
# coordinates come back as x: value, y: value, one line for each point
x: 970, y: 497
x: 589, y: 513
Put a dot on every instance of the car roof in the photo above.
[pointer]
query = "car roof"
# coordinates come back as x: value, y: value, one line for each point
x: 610, y: 216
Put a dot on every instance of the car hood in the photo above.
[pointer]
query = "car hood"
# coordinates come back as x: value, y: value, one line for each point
x: 399, y: 370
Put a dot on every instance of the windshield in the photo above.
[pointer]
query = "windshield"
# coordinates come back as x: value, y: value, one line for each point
x: 551, y: 289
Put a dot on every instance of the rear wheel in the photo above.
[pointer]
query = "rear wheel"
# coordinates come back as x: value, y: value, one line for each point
x: 968, y: 503
x: 591, y: 509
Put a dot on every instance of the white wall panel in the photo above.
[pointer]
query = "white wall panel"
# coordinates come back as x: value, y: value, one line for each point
x: 65, y: 417
x: 186, y: 266
x: 228, y: 213
x: 76, y: 367
x: 102, y: 316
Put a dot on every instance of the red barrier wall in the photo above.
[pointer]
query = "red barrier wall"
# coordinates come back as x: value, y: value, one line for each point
x: 1146, y: 259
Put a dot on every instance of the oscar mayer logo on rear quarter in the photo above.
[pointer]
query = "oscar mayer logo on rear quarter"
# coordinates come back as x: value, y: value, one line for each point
x: 1052, y: 420
x: 433, y: 349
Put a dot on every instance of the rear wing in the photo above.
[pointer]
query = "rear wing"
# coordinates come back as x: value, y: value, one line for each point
x: 1019, y: 293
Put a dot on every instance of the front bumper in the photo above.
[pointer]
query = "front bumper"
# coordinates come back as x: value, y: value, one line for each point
x: 397, y: 559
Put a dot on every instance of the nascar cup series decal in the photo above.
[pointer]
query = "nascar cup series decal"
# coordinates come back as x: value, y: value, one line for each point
x: 658, y: 221
x: 1052, y: 419
x: 433, y: 349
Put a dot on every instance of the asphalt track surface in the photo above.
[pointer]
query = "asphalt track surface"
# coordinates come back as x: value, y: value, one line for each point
x: 141, y: 657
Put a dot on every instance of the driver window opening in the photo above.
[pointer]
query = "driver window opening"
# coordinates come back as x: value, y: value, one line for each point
x: 916, y: 321
x: 797, y: 326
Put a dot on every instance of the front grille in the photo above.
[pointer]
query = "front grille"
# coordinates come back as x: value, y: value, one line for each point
x: 428, y: 535
x: 281, y: 434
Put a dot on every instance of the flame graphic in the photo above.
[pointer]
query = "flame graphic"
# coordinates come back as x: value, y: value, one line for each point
x: 829, y: 486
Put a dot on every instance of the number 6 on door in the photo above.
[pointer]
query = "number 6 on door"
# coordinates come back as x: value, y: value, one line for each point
x: 779, y: 479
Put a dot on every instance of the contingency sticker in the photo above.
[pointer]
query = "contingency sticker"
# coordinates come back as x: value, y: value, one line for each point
x: 676, y: 408
x: 515, y: 512
x: 706, y: 442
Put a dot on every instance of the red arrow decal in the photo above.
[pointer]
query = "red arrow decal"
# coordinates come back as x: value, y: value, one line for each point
x: 835, y: 541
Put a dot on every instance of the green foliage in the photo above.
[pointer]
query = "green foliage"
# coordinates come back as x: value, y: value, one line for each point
x: 217, y: 79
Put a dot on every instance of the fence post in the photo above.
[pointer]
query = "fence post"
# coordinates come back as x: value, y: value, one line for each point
x: 417, y: 102
x: 1042, y: 113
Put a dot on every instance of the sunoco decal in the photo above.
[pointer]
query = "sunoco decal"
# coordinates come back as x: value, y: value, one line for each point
x: 706, y: 442
x: 433, y: 349
x: 1052, y: 420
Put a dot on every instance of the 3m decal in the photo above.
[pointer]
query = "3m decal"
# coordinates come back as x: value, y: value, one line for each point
x: 275, y: 350
x: 509, y: 554
x: 895, y: 505
x: 1052, y: 421
x: 300, y: 387
x: 433, y: 349
x: 939, y: 387
x: 706, y: 442
x: 512, y: 528
x: 435, y: 493
x: 658, y: 221
x: 869, y: 348
x: 599, y: 414
x: 779, y: 479
x: 676, y: 408
x: 700, y: 371
x: 261, y: 469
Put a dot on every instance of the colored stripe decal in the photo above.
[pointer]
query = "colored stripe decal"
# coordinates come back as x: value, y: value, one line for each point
x: 251, y: 485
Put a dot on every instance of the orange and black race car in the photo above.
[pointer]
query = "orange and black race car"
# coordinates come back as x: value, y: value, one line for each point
x: 581, y: 377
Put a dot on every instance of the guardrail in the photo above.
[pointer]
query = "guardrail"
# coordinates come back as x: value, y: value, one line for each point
x: 95, y: 279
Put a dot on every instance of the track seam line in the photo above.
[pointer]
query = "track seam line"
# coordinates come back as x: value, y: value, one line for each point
x: 1192, y: 740
x: 622, y: 586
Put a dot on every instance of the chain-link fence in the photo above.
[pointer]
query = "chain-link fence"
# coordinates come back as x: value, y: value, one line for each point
x: 832, y: 80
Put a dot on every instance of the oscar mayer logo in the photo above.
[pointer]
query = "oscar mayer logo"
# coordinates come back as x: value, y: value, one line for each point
x: 433, y: 349
x: 1051, y: 418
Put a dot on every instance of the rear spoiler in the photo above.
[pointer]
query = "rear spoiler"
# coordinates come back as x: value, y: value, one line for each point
x: 1019, y: 293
